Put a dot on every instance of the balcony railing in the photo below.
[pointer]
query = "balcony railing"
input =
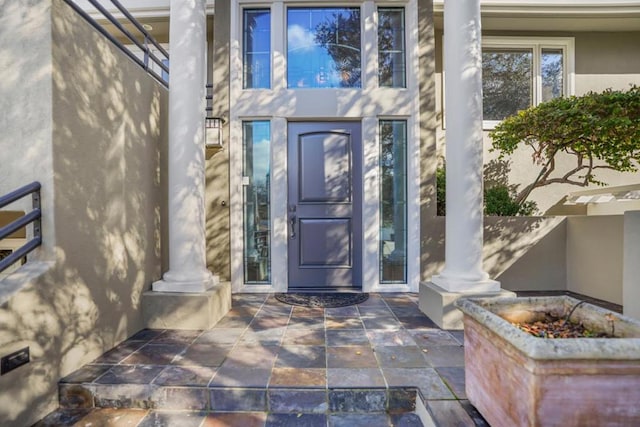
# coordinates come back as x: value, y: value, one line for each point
x: 138, y: 36
x: 32, y: 217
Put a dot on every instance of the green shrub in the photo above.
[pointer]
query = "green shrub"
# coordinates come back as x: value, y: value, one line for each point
x: 441, y: 190
x: 499, y: 200
x: 596, y: 130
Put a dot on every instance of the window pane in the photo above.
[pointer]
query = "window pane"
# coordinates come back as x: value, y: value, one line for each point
x: 507, y: 82
x: 257, y: 49
x: 391, y: 49
x: 256, y: 167
x: 552, y: 74
x: 323, y: 47
x: 393, y: 201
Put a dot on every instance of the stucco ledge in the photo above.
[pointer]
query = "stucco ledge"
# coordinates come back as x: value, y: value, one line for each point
x: 172, y: 310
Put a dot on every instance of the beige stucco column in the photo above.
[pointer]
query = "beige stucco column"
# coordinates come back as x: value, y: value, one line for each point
x: 463, y: 273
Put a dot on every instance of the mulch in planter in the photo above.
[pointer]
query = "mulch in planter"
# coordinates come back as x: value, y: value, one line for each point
x: 554, y: 327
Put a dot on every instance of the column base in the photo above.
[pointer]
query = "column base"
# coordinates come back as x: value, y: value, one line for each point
x: 172, y: 310
x: 457, y: 284
x: 438, y: 303
x: 173, y: 284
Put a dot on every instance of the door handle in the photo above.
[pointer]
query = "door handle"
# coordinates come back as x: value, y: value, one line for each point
x: 292, y: 222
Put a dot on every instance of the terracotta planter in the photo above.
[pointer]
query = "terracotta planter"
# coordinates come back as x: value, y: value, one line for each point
x: 515, y: 379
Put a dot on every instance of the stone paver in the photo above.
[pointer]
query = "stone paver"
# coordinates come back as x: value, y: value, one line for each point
x: 358, y: 377
x: 191, y: 376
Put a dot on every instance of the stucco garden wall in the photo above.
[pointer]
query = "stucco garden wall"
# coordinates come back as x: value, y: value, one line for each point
x: 595, y: 251
x: 88, y: 123
x: 523, y: 253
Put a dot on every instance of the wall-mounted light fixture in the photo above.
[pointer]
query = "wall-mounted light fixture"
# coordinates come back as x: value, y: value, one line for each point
x: 213, y: 132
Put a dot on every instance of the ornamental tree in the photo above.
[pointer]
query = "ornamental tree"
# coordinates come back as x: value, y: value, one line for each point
x: 600, y: 131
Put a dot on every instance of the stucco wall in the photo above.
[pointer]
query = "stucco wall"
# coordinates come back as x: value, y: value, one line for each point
x: 595, y: 256
x: 217, y: 167
x: 607, y: 60
x: 102, y: 141
x: 428, y: 125
x: 602, y: 60
x: 25, y: 123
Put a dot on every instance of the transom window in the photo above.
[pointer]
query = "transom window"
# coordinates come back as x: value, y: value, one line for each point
x: 518, y: 73
x: 391, y: 47
x: 257, y: 49
x: 323, y: 47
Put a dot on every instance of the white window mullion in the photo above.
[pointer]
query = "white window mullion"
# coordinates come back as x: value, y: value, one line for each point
x: 278, y: 46
x: 369, y: 43
x: 537, y: 74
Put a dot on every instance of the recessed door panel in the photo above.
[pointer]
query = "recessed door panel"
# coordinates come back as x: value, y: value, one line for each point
x: 325, y: 243
x: 325, y: 180
x: 325, y: 159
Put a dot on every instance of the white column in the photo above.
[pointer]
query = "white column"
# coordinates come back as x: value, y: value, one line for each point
x: 187, y: 262
x: 463, y: 90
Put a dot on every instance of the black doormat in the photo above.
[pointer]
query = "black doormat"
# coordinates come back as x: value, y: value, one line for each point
x: 324, y: 300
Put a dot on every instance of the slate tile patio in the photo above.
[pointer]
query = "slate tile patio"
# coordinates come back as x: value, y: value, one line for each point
x: 270, y: 364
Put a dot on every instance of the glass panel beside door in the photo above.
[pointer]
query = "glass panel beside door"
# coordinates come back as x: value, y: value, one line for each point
x: 393, y: 201
x: 256, y: 172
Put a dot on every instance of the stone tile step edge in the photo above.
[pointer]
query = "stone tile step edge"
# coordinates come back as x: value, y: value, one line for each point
x: 275, y: 400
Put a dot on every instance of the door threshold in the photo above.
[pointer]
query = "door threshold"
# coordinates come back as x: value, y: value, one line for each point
x: 342, y: 290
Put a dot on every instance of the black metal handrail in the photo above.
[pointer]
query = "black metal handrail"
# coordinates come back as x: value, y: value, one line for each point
x: 32, y: 217
x: 143, y: 45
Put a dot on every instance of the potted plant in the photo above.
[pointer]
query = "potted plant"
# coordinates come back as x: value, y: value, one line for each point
x: 516, y: 379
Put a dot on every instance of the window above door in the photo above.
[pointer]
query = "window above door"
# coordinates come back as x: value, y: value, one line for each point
x: 325, y: 47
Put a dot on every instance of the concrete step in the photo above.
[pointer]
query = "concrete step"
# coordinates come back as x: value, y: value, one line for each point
x: 157, y: 418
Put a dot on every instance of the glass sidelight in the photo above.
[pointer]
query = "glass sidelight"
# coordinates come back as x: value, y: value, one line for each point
x: 256, y: 179
x: 393, y: 201
x: 391, y: 47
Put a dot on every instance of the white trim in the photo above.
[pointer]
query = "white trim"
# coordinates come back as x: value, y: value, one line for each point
x: 279, y: 204
x: 413, y: 150
x: 370, y: 202
x: 555, y: 7
x: 138, y: 8
x: 280, y: 104
x: 235, y: 207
